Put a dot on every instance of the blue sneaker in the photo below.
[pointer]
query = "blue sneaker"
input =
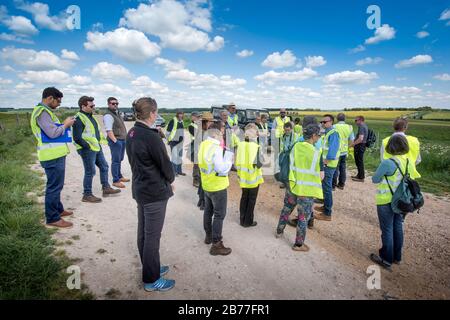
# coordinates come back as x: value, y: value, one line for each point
x: 163, y: 270
x: 159, y: 285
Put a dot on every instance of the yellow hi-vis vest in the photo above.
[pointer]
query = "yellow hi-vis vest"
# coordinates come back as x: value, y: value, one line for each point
x: 46, y: 151
x: 345, y: 131
x: 174, y: 130
x: 294, y: 138
x: 249, y: 175
x: 195, y: 126
x: 279, y: 131
x: 304, y: 173
x: 384, y: 195
x: 326, y: 147
x: 88, y: 134
x: 298, y: 129
x: 211, y: 182
x: 233, y: 121
x: 413, y: 154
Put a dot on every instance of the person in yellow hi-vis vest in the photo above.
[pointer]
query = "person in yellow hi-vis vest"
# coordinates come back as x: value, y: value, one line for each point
x: 248, y: 165
x: 279, y: 122
x: 331, y: 152
x: 305, y: 185
x: 347, y: 137
x: 388, y: 177
x: 215, y: 161
x: 400, y: 126
x: 52, y: 155
x: 88, y: 139
x: 298, y: 129
x: 193, y: 129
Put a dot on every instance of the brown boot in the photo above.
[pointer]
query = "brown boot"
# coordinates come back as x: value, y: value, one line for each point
x: 108, y: 191
x: 124, y: 180
x: 91, y: 199
x: 61, y: 223
x: 302, y: 248
x: 321, y: 216
x: 218, y: 249
x: 119, y: 185
x: 66, y: 213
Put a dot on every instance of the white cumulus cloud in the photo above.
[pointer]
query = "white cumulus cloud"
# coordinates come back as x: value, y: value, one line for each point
x: 350, y: 77
x: 41, y: 15
x: 70, y: 55
x: 368, y: 60
x: 383, y: 33
x: 108, y: 71
x: 244, y: 53
x: 179, y: 25
x: 422, y: 34
x: 278, y: 60
x: 130, y: 45
x: 271, y: 77
x: 315, y: 61
x: 35, y: 60
x: 417, y: 60
x: 442, y: 77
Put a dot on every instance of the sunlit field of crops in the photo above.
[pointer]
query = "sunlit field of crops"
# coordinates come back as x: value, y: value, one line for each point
x: 382, y: 115
x: 437, y: 116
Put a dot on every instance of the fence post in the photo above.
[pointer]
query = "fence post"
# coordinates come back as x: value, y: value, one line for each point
x: 17, y: 119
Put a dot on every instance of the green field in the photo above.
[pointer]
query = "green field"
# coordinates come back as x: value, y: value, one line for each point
x: 437, y: 116
x: 31, y: 266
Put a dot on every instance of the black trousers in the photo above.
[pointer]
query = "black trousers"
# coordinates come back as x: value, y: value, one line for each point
x: 359, y: 159
x: 247, y: 206
x: 150, y: 224
x: 215, y: 212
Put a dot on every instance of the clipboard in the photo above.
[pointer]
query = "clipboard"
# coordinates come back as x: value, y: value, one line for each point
x: 65, y: 138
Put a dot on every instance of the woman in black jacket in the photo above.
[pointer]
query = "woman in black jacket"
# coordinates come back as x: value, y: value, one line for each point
x: 152, y: 187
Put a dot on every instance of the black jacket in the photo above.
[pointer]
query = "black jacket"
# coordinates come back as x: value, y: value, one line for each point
x: 151, y: 167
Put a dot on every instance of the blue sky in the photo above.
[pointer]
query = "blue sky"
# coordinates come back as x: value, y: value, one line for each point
x: 195, y: 53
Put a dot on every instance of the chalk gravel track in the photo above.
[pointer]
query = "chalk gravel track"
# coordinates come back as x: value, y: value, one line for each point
x: 103, y: 240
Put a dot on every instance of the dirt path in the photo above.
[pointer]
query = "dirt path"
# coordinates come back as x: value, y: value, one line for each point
x: 260, y: 267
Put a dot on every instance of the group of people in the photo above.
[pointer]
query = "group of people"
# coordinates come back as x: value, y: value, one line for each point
x: 317, y: 152
x: 89, y: 140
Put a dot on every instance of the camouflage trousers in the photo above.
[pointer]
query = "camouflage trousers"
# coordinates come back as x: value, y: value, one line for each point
x: 304, y: 209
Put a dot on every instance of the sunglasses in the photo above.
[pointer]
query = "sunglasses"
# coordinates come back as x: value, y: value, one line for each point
x: 323, y: 122
x: 115, y: 104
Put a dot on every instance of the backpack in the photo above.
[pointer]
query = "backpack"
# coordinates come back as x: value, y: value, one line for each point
x: 284, y: 160
x: 408, y: 197
x: 371, y: 138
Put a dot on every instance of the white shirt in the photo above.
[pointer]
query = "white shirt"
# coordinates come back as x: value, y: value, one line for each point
x: 108, y: 121
x: 222, y: 162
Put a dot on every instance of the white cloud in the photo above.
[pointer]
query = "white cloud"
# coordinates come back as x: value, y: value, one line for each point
x: 182, y: 26
x: 445, y: 15
x: 20, y: 25
x: 146, y: 83
x: 201, y: 81
x: 244, y: 53
x: 170, y: 65
x: 216, y: 44
x: 24, y: 86
x: 442, y: 77
x: 368, y: 60
x: 130, y: 45
x: 46, y: 77
x: 315, y: 61
x: 305, y: 92
x: 397, y: 90
x: 277, y: 60
x: 5, y: 81
x: 15, y: 38
x: 41, y: 15
x: 70, y: 55
x: 35, y: 60
x: 108, y: 71
x: 419, y: 59
x: 8, y: 68
x: 350, y: 77
x: 383, y: 33
x: 422, y: 34
x: 271, y: 77
x: 359, y: 48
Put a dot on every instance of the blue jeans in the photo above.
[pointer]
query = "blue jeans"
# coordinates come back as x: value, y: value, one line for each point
x: 391, y: 225
x: 327, y: 187
x: 55, y: 171
x: 117, y: 155
x: 90, y: 160
x: 341, y: 172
